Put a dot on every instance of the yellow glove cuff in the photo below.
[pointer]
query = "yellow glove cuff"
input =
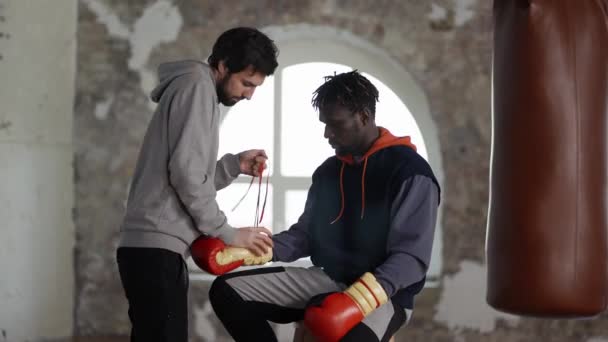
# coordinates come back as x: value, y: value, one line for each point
x: 231, y: 254
x: 367, y: 293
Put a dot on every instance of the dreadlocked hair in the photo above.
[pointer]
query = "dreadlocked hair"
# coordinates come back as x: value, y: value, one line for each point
x: 350, y: 90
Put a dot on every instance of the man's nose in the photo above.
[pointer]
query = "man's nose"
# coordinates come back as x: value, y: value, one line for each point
x: 248, y: 94
x: 327, y: 133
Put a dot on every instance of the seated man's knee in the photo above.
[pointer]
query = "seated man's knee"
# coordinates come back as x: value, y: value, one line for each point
x: 220, y: 291
x: 360, y: 332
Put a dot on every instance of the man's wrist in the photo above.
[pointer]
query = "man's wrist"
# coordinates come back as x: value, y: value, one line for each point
x: 227, y: 234
x: 234, y: 164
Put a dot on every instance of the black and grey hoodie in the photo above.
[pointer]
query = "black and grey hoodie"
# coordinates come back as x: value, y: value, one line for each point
x: 172, y: 195
x: 375, y: 213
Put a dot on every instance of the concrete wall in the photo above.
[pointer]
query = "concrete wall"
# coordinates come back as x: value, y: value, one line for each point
x: 444, y: 44
x: 37, y: 70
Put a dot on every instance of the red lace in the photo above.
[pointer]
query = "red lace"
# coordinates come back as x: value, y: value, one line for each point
x: 257, y: 220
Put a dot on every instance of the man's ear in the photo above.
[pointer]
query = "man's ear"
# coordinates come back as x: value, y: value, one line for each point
x: 365, y: 117
x: 222, y: 68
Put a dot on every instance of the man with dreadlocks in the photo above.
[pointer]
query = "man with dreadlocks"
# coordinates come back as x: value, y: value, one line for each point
x: 368, y: 226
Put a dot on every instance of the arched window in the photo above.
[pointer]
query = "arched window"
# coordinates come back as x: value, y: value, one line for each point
x: 281, y: 120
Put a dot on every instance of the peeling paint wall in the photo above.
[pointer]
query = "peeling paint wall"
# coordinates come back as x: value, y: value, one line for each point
x: 143, y: 35
x: 37, y: 71
x: 466, y: 289
x: 444, y: 44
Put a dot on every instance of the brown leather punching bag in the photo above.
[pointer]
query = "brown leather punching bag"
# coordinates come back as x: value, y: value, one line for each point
x: 546, y: 243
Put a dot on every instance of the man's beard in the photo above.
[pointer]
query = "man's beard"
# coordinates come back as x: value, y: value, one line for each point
x: 222, y: 95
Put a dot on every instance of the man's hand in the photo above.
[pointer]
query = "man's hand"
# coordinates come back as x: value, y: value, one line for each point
x: 214, y: 256
x: 252, y: 162
x: 257, y: 240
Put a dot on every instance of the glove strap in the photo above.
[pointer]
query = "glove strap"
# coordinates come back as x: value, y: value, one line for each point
x: 233, y: 254
x: 367, y: 293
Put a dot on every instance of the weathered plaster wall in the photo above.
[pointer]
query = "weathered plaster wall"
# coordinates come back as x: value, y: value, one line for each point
x: 444, y: 44
x: 37, y: 70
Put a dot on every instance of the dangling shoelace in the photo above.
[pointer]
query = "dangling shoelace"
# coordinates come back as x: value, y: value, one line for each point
x: 257, y: 221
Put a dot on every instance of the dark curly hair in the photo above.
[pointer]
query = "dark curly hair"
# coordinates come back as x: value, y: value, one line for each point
x: 350, y: 89
x: 241, y: 47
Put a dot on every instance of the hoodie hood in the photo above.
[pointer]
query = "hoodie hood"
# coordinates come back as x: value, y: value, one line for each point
x: 386, y: 139
x: 167, y: 72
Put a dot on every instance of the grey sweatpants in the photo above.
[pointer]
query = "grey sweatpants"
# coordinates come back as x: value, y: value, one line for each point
x: 291, y: 288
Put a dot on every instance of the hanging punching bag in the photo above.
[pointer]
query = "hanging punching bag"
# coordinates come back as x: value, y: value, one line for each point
x: 546, y: 243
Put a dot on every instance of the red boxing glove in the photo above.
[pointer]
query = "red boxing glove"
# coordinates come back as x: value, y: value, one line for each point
x: 341, y: 311
x: 212, y: 255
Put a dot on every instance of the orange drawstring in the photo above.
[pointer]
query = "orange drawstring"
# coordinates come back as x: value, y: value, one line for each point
x: 363, y: 188
x: 341, y: 195
x: 386, y: 139
x: 342, y: 191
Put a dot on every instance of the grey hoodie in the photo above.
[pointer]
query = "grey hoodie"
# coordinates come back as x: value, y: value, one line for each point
x: 172, y: 195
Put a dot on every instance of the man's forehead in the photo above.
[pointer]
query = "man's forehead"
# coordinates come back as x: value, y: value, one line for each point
x: 335, y: 112
x: 254, y: 76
